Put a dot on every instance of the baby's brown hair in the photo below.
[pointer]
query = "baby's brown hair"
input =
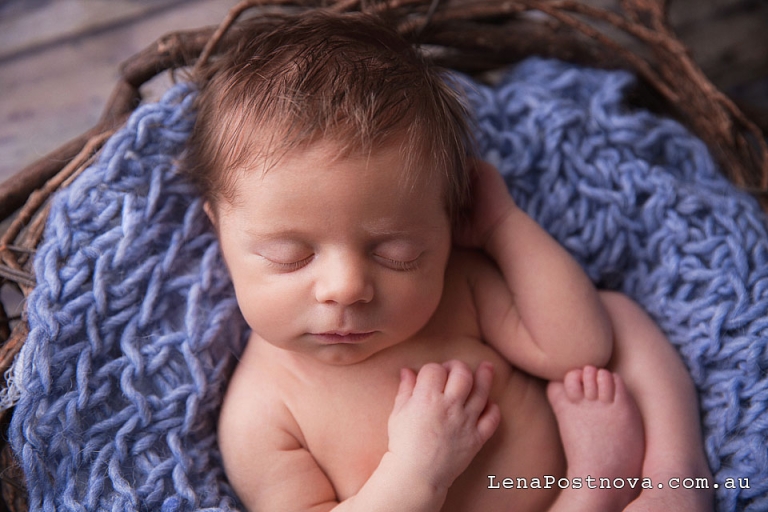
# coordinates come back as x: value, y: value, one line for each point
x: 347, y: 78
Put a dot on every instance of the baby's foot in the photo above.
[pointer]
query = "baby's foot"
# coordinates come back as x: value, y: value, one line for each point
x: 602, y: 434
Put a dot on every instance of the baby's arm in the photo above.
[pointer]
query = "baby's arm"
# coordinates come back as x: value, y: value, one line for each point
x: 539, y: 308
x: 441, y: 419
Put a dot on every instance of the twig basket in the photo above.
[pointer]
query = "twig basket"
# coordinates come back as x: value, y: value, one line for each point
x: 474, y: 36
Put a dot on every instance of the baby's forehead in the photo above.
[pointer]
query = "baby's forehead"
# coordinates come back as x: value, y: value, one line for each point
x: 288, y: 177
x: 320, y: 186
x: 267, y: 154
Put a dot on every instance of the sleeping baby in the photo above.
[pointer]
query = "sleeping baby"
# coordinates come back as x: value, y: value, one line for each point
x: 418, y: 342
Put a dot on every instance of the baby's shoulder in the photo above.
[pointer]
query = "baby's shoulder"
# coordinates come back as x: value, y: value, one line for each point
x: 262, y: 446
x: 253, y: 398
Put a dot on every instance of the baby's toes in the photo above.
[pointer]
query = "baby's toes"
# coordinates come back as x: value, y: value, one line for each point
x: 574, y: 386
x: 606, y: 389
x: 589, y: 381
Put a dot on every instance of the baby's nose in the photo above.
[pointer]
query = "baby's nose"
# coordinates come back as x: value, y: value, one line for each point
x: 344, y: 281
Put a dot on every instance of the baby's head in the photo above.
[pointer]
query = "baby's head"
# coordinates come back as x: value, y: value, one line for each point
x: 346, y: 79
x: 333, y: 163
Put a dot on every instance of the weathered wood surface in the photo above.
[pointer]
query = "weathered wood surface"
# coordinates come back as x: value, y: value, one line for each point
x: 59, y: 58
x: 59, y: 61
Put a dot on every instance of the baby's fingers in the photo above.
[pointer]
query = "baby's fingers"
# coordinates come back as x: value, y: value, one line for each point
x: 488, y: 422
x: 487, y: 413
x: 478, y: 398
x: 405, y: 391
x: 459, y: 382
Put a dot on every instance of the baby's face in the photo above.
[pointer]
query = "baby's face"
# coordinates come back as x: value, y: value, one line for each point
x: 336, y: 259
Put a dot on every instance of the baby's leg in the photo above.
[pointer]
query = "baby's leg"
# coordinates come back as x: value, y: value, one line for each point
x: 666, y: 397
x: 602, y: 435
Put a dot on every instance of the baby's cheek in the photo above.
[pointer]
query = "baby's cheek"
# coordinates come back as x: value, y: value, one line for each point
x: 264, y: 307
x: 416, y: 304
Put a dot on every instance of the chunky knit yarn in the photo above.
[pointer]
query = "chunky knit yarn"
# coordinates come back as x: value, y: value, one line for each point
x: 135, y: 329
x: 133, y: 333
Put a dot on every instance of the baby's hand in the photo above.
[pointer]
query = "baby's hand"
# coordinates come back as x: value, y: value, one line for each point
x: 491, y: 203
x: 441, y: 419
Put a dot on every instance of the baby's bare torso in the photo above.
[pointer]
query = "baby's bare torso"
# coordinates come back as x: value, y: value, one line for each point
x: 339, y: 413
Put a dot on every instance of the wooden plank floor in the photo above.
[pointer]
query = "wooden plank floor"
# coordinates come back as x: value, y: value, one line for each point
x: 59, y: 58
x: 59, y: 61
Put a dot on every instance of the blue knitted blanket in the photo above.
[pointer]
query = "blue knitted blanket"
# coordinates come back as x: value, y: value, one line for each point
x: 134, y: 328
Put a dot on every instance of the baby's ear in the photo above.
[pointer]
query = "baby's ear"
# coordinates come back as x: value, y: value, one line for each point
x: 211, y: 213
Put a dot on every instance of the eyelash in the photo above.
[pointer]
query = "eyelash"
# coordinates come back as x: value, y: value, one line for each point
x: 399, y: 266
x: 289, y: 267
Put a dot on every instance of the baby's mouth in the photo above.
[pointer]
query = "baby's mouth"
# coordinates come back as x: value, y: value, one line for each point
x: 333, y: 337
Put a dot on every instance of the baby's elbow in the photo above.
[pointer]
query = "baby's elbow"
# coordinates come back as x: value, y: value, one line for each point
x: 590, y: 341
x: 595, y: 349
x: 557, y: 371
x: 600, y: 345
x: 593, y: 338
x: 603, y: 352
x: 604, y: 335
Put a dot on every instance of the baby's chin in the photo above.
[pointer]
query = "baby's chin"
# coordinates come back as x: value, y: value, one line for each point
x: 330, y: 350
x: 341, y: 354
x: 354, y: 350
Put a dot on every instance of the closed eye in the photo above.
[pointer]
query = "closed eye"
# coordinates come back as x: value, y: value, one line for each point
x: 402, y: 266
x: 290, y: 266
